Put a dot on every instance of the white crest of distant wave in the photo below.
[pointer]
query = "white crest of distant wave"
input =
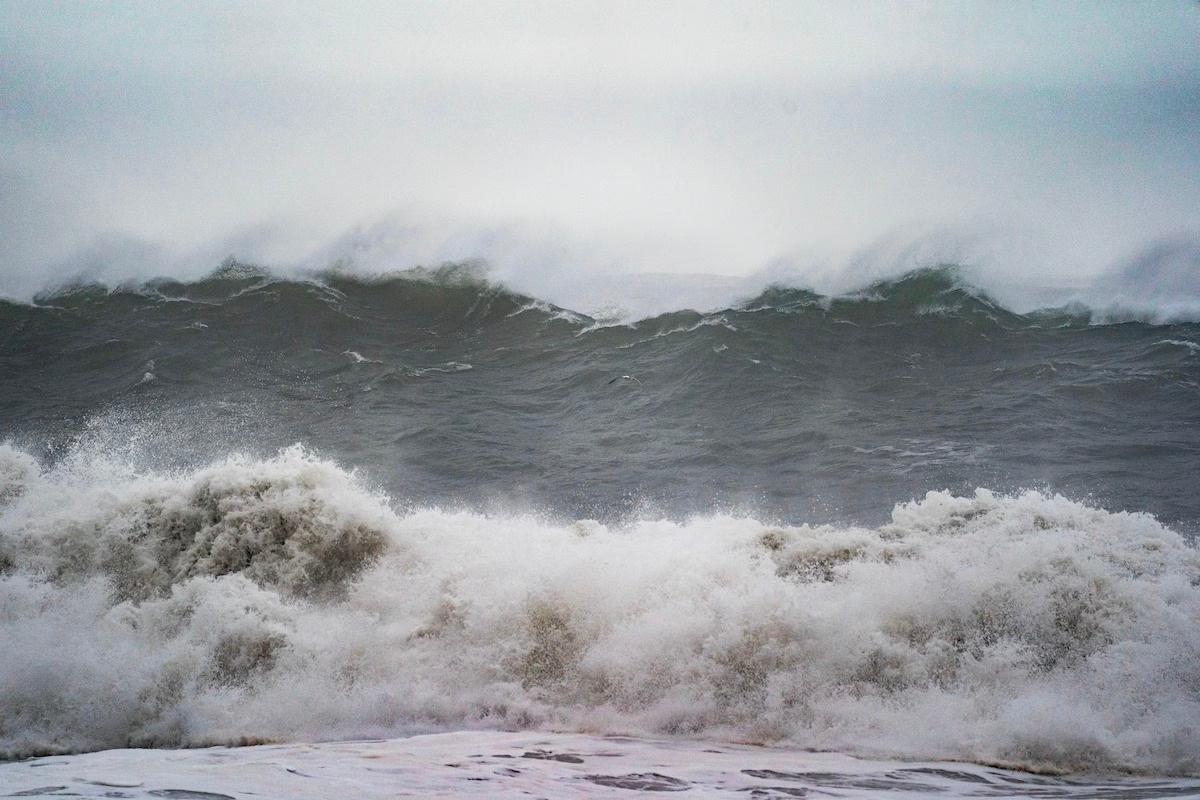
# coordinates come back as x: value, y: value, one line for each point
x: 624, y: 281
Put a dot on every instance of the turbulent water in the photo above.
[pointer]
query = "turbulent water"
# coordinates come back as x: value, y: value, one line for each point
x: 905, y: 523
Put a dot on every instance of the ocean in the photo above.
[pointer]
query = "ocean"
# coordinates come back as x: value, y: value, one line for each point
x: 903, y: 539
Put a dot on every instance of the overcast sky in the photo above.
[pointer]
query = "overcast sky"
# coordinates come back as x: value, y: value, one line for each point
x: 1049, y: 139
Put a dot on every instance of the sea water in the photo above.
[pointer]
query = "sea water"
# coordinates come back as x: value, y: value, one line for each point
x: 899, y: 540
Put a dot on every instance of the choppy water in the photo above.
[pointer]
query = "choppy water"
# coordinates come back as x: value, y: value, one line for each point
x: 448, y: 390
x: 907, y: 523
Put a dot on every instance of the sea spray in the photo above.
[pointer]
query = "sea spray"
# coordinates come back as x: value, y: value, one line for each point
x: 1026, y: 630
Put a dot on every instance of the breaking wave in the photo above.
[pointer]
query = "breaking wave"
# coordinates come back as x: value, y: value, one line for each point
x: 280, y: 598
x: 465, y: 289
x: 1157, y: 285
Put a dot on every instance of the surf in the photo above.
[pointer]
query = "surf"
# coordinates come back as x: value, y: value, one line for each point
x: 282, y: 600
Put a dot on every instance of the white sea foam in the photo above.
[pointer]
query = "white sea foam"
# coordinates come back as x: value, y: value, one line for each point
x: 522, y: 764
x: 148, y: 376
x: 448, y: 368
x: 1192, y: 346
x: 717, y: 320
x: 280, y: 599
x: 552, y: 312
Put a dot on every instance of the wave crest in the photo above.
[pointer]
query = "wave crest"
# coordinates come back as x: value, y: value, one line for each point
x: 1156, y: 289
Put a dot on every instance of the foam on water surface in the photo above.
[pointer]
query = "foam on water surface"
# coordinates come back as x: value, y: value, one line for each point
x: 280, y: 600
x: 537, y: 764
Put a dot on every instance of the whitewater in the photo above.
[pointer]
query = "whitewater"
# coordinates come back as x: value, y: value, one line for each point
x: 900, y: 539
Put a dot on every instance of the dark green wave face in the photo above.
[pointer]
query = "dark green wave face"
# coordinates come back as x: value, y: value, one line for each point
x: 446, y: 389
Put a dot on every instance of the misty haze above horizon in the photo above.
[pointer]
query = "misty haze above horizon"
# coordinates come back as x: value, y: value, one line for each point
x: 1051, y: 148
